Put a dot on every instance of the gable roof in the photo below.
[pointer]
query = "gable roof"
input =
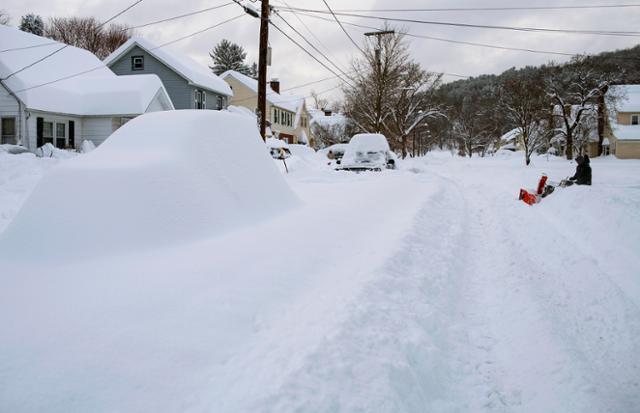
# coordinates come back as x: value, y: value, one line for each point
x: 88, y: 88
x: 629, y: 97
x: 183, y: 65
x: 276, y: 99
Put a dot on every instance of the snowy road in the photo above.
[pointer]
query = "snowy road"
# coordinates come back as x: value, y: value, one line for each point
x: 429, y: 289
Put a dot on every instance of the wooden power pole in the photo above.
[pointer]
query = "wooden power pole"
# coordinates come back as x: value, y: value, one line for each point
x: 262, y: 68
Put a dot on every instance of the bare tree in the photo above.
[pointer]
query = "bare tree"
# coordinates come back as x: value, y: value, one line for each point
x: 87, y: 33
x: 523, y: 101
x: 412, y: 104
x: 575, y: 96
x: 470, y: 131
x: 376, y: 78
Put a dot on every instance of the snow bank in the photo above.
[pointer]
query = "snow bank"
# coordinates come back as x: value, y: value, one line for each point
x: 49, y: 151
x: 87, y: 146
x: 162, y: 178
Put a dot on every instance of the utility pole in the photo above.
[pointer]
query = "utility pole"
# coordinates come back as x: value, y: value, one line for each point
x: 262, y: 68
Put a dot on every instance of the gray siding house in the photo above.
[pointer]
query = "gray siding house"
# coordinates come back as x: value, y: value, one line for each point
x: 67, y: 98
x: 189, y: 84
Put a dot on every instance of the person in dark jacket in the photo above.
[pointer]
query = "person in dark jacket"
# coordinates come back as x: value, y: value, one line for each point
x: 583, y: 171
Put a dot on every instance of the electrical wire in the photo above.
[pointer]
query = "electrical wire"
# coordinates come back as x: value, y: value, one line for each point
x: 307, y: 52
x: 342, y: 27
x: 200, y: 31
x: 102, y: 66
x: 508, y: 8
x: 66, y: 45
x: 193, y: 13
x: 313, y: 46
x: 441, y: 39
x: 474, y: 26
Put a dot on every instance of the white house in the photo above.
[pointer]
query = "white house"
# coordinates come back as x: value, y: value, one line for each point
x: 69, y: 96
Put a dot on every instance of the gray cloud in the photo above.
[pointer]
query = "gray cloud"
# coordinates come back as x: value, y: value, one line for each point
x: 293, y: 67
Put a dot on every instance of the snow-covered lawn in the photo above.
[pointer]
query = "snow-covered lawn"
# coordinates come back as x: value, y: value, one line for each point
x: 430, y: 288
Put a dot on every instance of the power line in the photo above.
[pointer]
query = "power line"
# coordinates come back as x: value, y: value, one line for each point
x: 313, y: 83
x: 511, y: 8
x: 342, y: 27
x: 475, y: 26
x: 326, y: 49
x: 199, y: 31
x: 28, y: 47
x: 66, y: 45
x: 313, y: 46
x: 307, y: 52
x: 103, y: 66
x: 441, y: 39
x: 193, y: 13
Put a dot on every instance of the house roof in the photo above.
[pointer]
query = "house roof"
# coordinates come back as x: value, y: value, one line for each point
x: 88, y: 88
x: 629, y: 97
x: 626, y: 132
x: 318, y: 116
x: 192, y: 71
x: 276, y: 99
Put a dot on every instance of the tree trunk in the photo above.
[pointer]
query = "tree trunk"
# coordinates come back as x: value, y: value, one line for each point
x: 569, y: 149
x: 601, y: 120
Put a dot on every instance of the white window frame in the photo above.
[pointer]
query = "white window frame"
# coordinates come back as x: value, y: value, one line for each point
x: 51, y: 136
x: 200, y: 99
x: 133, y: 63
x: 4, y: 136
x: 637, y: 119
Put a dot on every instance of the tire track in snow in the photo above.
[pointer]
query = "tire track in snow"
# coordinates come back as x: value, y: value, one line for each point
x: 557, y: 339
x: 395, y: 351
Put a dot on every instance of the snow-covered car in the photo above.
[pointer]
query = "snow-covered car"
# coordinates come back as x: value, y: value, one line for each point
x: 278, y: 149
x: 335, y: 152
x: 368, y: 152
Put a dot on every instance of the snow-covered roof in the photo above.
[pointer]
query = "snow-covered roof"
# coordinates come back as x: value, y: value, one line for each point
x: 88, y: 88
x: 192, y: 71
x: 510, y: 136
x: 626, y: 132
x: 319, y: 117
x: 289, y: 103
x: 629, y: 97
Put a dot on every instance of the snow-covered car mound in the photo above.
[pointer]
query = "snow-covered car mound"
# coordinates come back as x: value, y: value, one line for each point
x: 163, y: 178
x: 368, y: 152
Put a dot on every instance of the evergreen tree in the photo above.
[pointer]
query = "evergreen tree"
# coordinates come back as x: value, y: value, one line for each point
x: 229, y: 56
x: 254, y: 70
x: 32, y: 23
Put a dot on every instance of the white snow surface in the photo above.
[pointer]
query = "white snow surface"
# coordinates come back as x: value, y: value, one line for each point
x: 194, y: 72
x: 428, y: 289
x: 162, y: 178
x: 88, y: 88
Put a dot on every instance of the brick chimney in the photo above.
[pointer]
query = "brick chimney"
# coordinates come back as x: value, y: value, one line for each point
x: 275, y: 85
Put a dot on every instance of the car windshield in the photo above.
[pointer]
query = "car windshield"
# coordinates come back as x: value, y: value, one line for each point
x: 369, y: 156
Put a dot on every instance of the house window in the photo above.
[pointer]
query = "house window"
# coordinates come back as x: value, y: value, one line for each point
x: 137, y: 62
x: 8, y: 129
x: 47, y: 132
x: 220, y: 100
x: 61, y: 135
x: 275, y: 115
x: 635, y: 119
x: 200, y: 99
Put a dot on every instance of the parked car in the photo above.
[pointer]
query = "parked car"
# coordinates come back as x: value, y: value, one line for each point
x: 335, y: 152
x: 368, y: 152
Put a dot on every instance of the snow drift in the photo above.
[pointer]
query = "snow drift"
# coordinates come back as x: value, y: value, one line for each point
x: 160, y: 179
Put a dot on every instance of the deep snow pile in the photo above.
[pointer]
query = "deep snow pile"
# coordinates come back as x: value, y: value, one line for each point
x: 18, y: 175
x: 426, y: 289
x: 162, y: 178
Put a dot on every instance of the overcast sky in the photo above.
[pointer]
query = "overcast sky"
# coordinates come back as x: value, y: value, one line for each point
x: 293, y: 67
